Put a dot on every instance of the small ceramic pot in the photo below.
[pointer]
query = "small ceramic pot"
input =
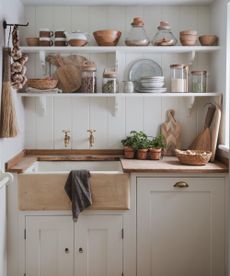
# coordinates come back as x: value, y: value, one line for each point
x: 45, y: 41
x: 129, y: 152
x: 155, y: 153
x: 60, y: 41
x: 188, y: 38
x: 60, y: 33
x: 142, y: 154
x: 45, y: 32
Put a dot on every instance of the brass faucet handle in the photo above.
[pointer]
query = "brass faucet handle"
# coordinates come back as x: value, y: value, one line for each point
x: 91, y: 131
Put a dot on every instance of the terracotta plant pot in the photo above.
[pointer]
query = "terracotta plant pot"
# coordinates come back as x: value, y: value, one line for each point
x: 142, y: 154
x: 129, y: 152
x: 155, y: 153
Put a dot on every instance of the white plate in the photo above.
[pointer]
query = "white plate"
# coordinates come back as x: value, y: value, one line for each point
x: 152, y: 90
x: 144, y: 68
x: 151, y: 84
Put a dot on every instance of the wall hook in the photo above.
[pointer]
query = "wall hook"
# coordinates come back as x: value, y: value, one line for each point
x: 5, y: 24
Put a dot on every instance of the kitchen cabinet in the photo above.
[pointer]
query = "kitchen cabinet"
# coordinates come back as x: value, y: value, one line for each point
x: 49, y: 246
x: 180, y: 228
x: 99, y: 245
x: 56, y: 246
x: 2, y: 230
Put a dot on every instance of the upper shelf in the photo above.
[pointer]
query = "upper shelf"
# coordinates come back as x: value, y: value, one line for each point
x: 122, y: 49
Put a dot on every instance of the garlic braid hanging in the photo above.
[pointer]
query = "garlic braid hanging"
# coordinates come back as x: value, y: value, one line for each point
x: 18, y: 69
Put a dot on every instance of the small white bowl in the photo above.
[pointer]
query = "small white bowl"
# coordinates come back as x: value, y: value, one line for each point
x: 152, y: 84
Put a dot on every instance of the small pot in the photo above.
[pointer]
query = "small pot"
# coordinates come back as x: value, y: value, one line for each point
x: 129, y: 152
x: 155, y: 153
x: 142, y: 154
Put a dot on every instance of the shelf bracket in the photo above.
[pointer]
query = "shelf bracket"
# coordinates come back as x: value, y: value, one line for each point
x: 42, y: 105
x: 115, y: 106
x: 192, y: 56
x: 189, y: 101
x: 42, y: 57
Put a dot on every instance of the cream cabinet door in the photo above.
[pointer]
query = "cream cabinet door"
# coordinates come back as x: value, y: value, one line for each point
x: 49, y: 246
x: 3, y: 253
x: 99, y: 245
x: 180, y: 231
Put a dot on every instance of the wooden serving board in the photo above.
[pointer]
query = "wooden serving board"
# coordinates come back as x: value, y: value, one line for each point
x: 171, y: 130
x: 215, y: 126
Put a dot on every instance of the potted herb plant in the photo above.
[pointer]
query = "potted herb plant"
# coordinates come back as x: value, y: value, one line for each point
x: 127, y: 143
x: 140, y: 144
x: 156, y: 147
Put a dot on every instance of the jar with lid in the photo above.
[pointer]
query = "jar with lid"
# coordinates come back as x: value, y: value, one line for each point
x: 164, y: 36
x: 199, y: 81
x: 88, y: 77
x: 110, y: 82
x: 179, y: 78
x: 137, y: 35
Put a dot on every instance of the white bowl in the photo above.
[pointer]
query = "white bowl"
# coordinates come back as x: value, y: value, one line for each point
x: 152, y: 84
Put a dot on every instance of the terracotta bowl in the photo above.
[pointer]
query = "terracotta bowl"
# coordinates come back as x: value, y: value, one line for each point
x: 32, y: 41
x: 77, y: 42
x: 42, y: 84
x: 208, y: 40
x: 107, y: 37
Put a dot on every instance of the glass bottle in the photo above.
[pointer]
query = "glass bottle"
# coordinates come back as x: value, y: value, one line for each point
x: 137, y: 35
x: 199, y: 81
x: 88, y: 77
x: 110, y: 82
x: 179, y: 78
x: 164, y: 36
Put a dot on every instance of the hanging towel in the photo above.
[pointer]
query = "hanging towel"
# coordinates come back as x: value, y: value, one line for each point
x: 77, y: 188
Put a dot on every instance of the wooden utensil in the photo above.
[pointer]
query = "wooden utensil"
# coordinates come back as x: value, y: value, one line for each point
x: 214, y: 127
x: 8, y: 123
x: 171, y: 130
x: 68, y: 76
x: 203, y: 140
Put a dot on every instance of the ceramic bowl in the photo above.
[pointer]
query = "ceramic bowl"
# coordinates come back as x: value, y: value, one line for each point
x: 208, y: 40
x: 77, y: 42
x: 107, y: 37
x: 32, y: 41
x: 188, y: 38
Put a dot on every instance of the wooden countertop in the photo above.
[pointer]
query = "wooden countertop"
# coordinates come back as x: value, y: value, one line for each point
x: 169, y: 165
x: 26, y: 158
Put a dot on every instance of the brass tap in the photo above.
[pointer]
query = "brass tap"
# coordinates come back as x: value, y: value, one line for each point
x: 66, y: 137
x: 91, y: 136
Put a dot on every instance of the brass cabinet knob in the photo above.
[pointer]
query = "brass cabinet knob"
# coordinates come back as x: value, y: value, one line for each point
x: 66, y: 250
x: 181, y: 184
x: 80, y: 250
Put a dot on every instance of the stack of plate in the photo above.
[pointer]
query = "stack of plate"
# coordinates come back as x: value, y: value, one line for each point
x: 153, y: 84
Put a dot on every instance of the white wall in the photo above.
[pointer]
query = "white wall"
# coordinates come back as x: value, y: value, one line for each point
x: 134, y: 113
x: 12, y: 11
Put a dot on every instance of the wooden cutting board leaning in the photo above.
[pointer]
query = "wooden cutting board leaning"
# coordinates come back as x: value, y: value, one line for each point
x: 171, y: 131
x: 68, y: 71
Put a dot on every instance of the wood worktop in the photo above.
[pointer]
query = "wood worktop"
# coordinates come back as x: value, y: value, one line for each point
x: 26, y: 158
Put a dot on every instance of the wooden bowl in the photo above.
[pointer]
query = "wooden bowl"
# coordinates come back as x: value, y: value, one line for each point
x: 107, y: 37
x: 32, y: 41
x: 193, y: 157
x: 77, y: 42
x: 208, y: 40
x: 42, y: 84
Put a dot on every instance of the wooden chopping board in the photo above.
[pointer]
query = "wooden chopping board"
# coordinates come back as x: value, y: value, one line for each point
x: 214, y: 127
x: 68, y: 72
x: 204, y: 140
x: 171, y: 130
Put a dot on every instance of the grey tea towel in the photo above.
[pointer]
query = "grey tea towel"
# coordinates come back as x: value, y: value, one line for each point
x: 77, y: 188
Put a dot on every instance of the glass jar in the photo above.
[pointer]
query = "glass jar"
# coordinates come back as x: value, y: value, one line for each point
x: 110, y: 82
x: 88, y: 77
x: 199, y: 81
x: 179, y: 78
x: 137, y: 35
x: 164, y: 36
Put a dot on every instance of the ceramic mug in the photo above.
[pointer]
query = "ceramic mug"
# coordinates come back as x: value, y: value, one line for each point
x: 45, y: 41
x: 60, y: 33
x: 60, y: 41
x: 45, y: 32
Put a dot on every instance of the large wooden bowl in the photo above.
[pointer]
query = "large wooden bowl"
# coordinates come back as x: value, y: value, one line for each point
x: 42, y: 84
x: 107, y: 37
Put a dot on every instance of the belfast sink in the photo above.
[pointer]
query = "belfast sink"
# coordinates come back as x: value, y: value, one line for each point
x: 41, y: 187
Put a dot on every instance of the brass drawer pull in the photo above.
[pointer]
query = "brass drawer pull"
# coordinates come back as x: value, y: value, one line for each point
x: 181, y: 184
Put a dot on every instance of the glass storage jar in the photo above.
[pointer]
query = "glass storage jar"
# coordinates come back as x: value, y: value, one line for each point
x: 110, y: 82
x: 179, y: 78
x: 88, y: 77
x: 199, y: 81
x: 164, y: 36
x: 137, y: 35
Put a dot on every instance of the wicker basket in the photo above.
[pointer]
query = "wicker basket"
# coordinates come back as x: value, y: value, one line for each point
x: 193, y: 157
x: 42, y: 84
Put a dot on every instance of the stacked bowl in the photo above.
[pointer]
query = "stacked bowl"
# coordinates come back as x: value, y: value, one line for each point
x: 153, y: 84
